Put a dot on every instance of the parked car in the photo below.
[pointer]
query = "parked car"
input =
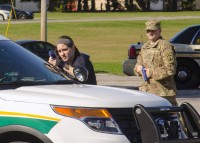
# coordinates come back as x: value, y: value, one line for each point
x: 40, y: 104
x: 20, y: 14
x: 40, y: 48
x: 4, y: 15
x: 187, y: 44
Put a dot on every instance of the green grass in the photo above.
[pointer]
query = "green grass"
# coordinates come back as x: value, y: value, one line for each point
x: 105, y: 41
x: 86, y: 15
x: 108, y: 67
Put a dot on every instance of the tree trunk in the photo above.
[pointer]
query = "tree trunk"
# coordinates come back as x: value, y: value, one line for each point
x: 148, y: 5
x: 79, y: 5
x: 174, y: 5
x: 108, y: 5
x: 131, y: 7
x: 171, y: 5
x: 141, y: 3
x: 52, y: 3
x: 93, y: 5
x: 85, y: 7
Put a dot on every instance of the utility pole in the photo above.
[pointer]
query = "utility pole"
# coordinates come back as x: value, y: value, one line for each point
x: 43, y: 20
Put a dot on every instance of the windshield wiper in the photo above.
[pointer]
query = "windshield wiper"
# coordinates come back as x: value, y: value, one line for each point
x: 58, y: 71
x: 28, y: 83
x: 24, y: 83
x: 64, y: 82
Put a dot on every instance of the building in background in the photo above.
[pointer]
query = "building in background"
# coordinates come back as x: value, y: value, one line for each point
x: 197, y: 4
x: 29, y: 6
x: 159, y: 5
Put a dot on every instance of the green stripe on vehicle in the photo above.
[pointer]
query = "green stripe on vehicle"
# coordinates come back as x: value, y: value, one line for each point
x: 43, y: 126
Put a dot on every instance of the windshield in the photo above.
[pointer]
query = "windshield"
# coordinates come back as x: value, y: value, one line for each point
x: 185, y: 36
x: 18, y: 66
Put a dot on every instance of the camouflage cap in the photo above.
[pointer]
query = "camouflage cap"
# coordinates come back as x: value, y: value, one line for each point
x: 152, y: 25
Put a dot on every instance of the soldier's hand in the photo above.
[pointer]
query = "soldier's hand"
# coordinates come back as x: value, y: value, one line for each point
x: 139, y: 69
x: 148, y: 72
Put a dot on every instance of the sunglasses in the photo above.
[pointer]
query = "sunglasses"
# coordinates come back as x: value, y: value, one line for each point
x: 148, y: 31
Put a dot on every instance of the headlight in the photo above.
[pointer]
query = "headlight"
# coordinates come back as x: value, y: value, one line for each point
x: 97, y: 119
x: 7, y: 13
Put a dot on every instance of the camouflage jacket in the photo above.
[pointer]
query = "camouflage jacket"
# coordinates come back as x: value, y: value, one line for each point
x: 161, y: 59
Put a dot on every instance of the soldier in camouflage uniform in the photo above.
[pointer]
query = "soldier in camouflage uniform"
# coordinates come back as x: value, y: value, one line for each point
x: 158, y: 58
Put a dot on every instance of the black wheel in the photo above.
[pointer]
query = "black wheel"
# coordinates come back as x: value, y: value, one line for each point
x: 1, y: 17
x: 128, y: 66
x: 30, y: 136
x: 187, y: 74
x: 22, y: 16
x: 19, y: 138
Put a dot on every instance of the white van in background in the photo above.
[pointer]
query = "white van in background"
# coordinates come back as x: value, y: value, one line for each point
x: 4, y: 15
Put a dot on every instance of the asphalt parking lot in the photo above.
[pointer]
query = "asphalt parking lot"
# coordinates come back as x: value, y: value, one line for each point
x: 132, y: 82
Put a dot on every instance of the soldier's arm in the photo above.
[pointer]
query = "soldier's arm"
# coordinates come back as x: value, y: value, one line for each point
x: 138, y: 67
x: 169, y: 63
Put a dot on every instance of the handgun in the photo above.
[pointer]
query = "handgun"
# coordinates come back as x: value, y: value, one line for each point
x: 144, y: 74
x: 52, y: 54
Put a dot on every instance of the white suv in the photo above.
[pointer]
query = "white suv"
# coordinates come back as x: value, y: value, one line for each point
x: 39, y: 104
x: 4, y: 15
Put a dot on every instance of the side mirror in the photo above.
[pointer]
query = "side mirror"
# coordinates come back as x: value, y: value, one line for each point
x: 81, y: 73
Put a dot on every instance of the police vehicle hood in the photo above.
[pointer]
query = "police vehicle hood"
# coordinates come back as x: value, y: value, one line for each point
x: 82, y: 96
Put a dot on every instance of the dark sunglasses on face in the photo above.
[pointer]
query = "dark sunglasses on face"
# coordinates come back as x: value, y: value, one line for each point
x: 148, y: 31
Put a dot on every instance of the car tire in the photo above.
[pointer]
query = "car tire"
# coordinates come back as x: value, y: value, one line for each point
x: 13, y: 139
x: 17, y: 137
x: 22, y: 16
x: 22, y: 134
x: 187, y: 74
x: 128, y: 66
x: 1, y: 17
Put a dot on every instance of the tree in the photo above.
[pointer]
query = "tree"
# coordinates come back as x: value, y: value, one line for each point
x: 79, y: 5
x: 129, y: 5
x: 188, y: 4
x: 171, y: 5
x: 4, y: 1
x: 93, y: 5
x: 29, y: 0
x: 85, y: 6
x: 108, y: 5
